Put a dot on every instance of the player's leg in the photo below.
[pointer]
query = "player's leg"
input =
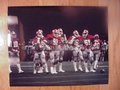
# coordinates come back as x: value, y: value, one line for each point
x: 80, y: 57
x: 44, y: 62
x: 17, y: 60
x: 9, y: 65
x: 52, y: 60
x: 75, y: 57
x: 10, y: 71
x: 96, y: 60
x: 91, y: 61
x: 35, y: 62
x: 61, y: 61
x: 19, y: 68
x: 57, y: 53
x: 85, y: 62
x: 41, y: 64
x: 10, y: 62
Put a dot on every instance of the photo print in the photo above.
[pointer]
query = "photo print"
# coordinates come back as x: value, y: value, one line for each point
x: 58, y: 45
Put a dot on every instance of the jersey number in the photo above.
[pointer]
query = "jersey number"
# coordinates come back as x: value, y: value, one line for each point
x: 55, y: 41
x: 15, y: 44
x: 87, y: 42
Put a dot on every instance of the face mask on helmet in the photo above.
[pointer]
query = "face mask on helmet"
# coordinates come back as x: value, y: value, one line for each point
x: 39, y: 33
x: 55, y: 33
x: 96, y: 36
x: 76, y: 33
x: 60, y: 31
x: 85, y: 33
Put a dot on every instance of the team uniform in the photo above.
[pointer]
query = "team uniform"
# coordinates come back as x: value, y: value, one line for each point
x: 104, y: 48
x: 87, y: 52
x: 13, y: 50
x: 54, y: 43
x: 39, y: 44
x: 96, y: 50
x: 63, y: 47
x: 74, y: 42
x: 85, y: 49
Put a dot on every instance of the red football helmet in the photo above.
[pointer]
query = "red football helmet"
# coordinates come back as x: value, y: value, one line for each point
x: 60, y: 31
x: 76, y: 33
x: 96, y: 36
x: 55, y: 32
x: 85, y: 33
x: 39, y: 32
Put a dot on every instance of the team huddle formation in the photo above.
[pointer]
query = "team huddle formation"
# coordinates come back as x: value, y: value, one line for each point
x: 85, y: 48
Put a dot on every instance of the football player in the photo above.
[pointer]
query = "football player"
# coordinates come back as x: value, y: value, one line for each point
x: 39, y: 44
x: 87, y: 52
x: 13, y: 50
x: 53, y: 40
x: 96, y: 50
x: 62, y: 43
x: 75, y: 40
